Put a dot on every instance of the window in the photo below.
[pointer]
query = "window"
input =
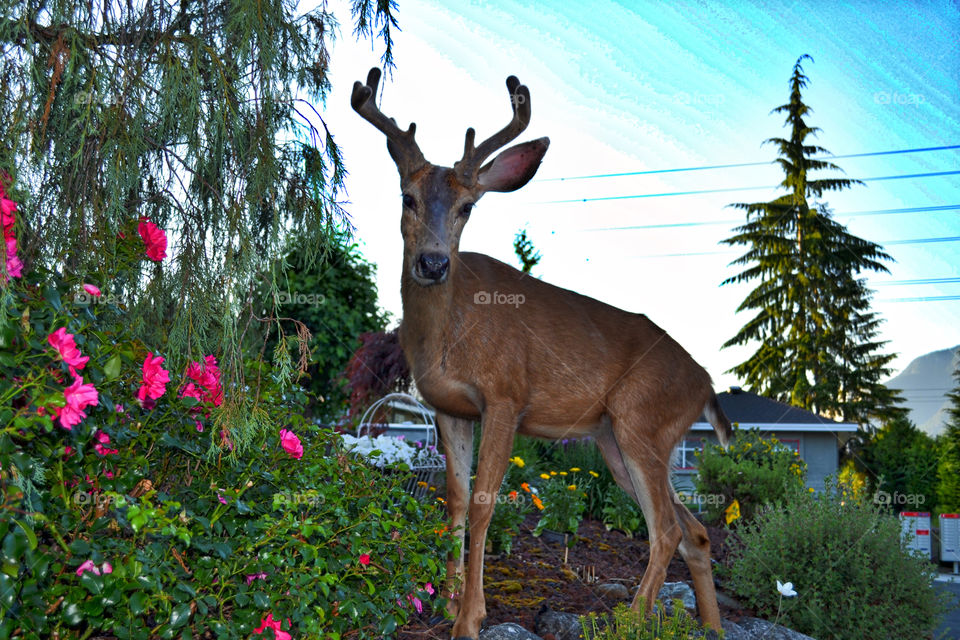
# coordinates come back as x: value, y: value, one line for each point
x: 788, y: 444
x: 686, y: 453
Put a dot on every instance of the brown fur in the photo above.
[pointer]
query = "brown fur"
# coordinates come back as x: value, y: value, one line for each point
x: 552, y: 364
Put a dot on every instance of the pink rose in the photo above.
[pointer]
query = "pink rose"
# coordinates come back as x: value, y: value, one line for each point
x: 291, y: 443
x: 154, y: 380
x: 92, y: 290
x: 78, y: 397
x: 66, y: 348
x: 155, y: 240
x: 270, y: 623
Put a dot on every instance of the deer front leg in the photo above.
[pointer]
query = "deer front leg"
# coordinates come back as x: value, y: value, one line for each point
x: 457, y: 438
x: 499, y: 425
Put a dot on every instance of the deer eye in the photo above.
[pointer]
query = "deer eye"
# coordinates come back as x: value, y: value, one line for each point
x: 409, y: 201
x: 466, y: 209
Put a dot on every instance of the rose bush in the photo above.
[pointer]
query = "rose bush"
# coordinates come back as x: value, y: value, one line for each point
x: 132, y: 505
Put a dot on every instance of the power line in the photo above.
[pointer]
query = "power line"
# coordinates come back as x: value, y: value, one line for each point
x: 916, y: 282
x: 732, y: 253
x: 729, y: 189
x: 847, y: 214
x: 922, y: 240
x: 745, y: 164
x: 922, y: 299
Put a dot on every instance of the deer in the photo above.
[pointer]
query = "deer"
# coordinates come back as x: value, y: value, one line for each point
x: 552, y: 364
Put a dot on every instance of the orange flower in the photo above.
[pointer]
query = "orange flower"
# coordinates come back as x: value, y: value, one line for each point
x: 513, y: 496
x: 538, y: 503
x: 525, y: 487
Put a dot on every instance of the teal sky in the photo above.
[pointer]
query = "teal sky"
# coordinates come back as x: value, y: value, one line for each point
x: 623, y: 87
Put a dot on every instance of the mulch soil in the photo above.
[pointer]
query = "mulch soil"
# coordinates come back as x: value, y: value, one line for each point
x: 534, y: 575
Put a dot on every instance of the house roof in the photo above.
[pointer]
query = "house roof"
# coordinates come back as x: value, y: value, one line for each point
x: 750, y: 410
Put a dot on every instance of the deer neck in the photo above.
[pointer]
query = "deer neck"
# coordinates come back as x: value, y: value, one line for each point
x: 427, y: 311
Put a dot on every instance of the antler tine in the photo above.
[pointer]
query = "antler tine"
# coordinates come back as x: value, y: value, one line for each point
x: 473, y: 157
x: 401, y: 144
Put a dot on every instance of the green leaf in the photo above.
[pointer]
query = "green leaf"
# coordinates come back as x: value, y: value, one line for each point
x: 92, y: 582
x: 112, y: 368
x: 31, y: 536
x: 51, y: 295
x: 138, y: 603
x: 180, y: 615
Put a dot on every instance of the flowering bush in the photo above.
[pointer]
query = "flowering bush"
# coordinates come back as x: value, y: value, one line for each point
x: 851, y: 576
x: 752, y: 471
x: 131, y: 506
x: 563, y: 503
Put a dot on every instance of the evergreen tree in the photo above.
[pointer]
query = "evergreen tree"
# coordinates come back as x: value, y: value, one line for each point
x: 901, y: 465
x: 197, y: 115
x: 335, y: 299
x: 818, y: 338
x: 526, y: 253
x: 949, y: 468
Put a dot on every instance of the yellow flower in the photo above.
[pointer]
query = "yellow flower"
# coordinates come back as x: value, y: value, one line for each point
x: 441, y: 500
x: 422, y: 484
x: 517, y: 460
x: 572, y: 487
x: 594, y: 474
x: 563, y: 473
x: 553, y: 473
x: 575, y: 469
x: 732, y: 512
x: 433, y: 488
x: 544, y: 476
x: 810, y: 489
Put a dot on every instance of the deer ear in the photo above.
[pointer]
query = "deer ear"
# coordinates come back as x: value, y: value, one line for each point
x: 513, y: 168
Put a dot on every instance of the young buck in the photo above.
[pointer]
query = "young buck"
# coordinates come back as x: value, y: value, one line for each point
x: 551, y: 363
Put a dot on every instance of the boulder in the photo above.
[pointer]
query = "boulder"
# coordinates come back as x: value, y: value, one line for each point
x: 612, y: 591
x: 562, y: 626
x: 671, y: 591
x: 507, y: 631
x: 769, y: 631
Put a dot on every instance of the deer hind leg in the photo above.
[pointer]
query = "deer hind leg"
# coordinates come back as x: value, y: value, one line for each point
x: 457, y: 436
x: 499, y: 426
x: 648, y: 469
x: 695, y: 549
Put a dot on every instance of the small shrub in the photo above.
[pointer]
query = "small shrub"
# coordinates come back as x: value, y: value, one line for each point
x: 508, y: 514
x: 622, y: 513
x: 627, y: 624
x: 753, y: 470
x: 853, y: 575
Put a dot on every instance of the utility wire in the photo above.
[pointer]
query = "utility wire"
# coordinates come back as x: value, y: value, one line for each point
x: 847, y: 214
x: 731, y: 253
x: 666, y: 194
x: 745, y: 164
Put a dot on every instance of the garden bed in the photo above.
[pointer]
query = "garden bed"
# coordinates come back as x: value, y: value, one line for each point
x: 518, y: 585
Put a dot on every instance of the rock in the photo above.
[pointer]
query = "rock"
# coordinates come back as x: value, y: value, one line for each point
x: 507, y: 631
x: 563, y: 626
x: 769, y: 631
x: 726, y: 601
x: 733, y: 631
x: 671, y: 591
x: 612, y: 590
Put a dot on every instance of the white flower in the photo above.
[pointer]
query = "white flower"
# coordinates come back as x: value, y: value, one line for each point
x: 786, y: 589
x: 386, y: 450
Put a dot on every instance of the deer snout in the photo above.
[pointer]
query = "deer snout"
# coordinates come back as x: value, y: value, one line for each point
x: 433, y: 266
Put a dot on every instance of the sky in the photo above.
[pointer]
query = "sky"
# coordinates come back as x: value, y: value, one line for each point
x: 624, y: 87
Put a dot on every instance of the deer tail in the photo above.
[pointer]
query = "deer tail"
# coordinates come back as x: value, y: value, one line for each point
x: 718, y: 419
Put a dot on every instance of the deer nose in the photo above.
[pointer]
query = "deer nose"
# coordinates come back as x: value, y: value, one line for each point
x: 433, y: 265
